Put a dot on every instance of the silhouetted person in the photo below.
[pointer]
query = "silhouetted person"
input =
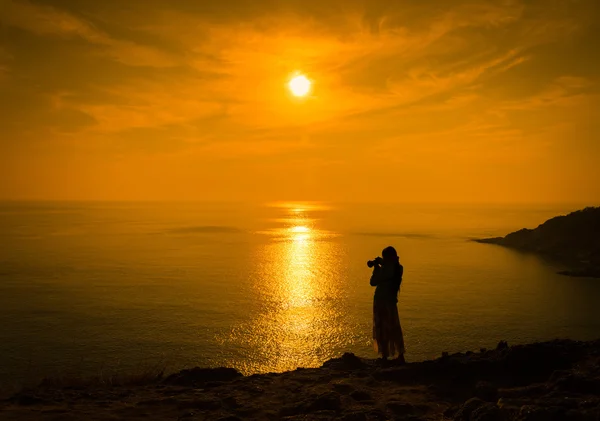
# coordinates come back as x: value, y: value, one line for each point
x: 387, y: 277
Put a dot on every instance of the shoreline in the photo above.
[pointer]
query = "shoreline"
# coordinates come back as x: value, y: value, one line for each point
x: 567, y: 240
x: 569, y: 268
x: 559, y: 379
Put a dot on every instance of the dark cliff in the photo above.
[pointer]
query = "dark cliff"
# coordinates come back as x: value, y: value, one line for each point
x: 572, y: 240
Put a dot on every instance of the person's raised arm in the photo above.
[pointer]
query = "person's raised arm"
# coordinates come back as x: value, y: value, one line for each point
x: 376, y: 276
x: 382, y: 274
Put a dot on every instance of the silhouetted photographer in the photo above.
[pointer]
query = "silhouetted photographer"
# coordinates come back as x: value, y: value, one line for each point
x: 387, y: 277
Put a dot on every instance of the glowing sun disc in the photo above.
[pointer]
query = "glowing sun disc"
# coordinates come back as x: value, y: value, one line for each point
x: 300, y: 85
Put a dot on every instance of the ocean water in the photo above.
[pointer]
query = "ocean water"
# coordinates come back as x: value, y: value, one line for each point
x: 120, y: 286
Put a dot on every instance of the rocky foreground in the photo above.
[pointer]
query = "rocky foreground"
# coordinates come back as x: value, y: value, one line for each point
x: 558, y: 380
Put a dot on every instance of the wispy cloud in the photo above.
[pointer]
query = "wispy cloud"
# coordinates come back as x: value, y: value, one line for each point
x: 5, y: 58
x: 249, y: 64
x: 565, y: 91
x: 421, y: 85
x: 47, y: 20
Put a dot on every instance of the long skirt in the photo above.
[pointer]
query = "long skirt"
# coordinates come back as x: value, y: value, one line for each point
x: 387, y: 332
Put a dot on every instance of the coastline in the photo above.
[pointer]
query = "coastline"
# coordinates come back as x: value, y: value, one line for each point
x: 568, y: 240
x: 559, y: 379
x: 572, y: 269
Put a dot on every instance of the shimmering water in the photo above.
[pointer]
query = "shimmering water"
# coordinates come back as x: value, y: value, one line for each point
x: 85, y: 286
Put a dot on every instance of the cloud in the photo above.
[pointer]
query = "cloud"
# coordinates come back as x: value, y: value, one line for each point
x: 371, y: 61
x: 413, y: 85
x: 563, y: 91
x: 47, y: 20
x: 152, y: 140
x: 5, y: 59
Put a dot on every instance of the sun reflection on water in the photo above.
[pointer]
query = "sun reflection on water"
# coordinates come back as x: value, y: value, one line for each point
x: 299, y: 258
x: 299, y: 292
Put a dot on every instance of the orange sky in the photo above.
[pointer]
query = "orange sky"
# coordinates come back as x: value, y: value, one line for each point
x: 437, y: 101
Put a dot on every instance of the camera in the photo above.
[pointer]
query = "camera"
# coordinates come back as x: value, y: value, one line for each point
x: 375, y: 261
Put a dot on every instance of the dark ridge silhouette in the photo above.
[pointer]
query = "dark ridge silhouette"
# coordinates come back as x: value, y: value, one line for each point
x: 557, y: 380
x: 572, y: 240
x: 205, y: 229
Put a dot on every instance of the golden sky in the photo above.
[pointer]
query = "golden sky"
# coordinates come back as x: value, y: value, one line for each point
x: 417, y: 101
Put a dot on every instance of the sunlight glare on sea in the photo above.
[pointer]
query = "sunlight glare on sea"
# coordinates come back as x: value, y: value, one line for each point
x: 89, y: 286
x: 299, y: 286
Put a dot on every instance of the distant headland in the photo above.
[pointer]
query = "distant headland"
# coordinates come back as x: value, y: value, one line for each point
x: 571, y: 240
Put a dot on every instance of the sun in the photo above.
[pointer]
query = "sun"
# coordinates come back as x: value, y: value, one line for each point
x: 300, y: 85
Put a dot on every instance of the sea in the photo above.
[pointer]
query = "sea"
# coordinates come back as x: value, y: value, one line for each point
x: 94, y: 287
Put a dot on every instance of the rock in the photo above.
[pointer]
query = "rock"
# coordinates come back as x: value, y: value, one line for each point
x: 198, y: 376
x: 202, y: 404
x: 464, y: 413
x: 324, y: 414
x: 395, y: 374
x: 422, y: 409
x: 536, y: 362
x: 316, y: 416
x: 556, y: 380
x: 329, y: 401
x: 247, y: 412
x: 160, y: 402
x: 230, y: 418
x: 173, y: 391
x: 355, y: 416
x: 557, y: 375
x: 253, y: 389
x: 361, y: 395
x: 377, y: 414
x: 27, y: 399
x: 306, y: 379
x: 326, y: 401
x: 536, y: 413
x: 343, y: 388
x: 451, y: 411
x: 348, y: 361
x: 231, y: 402
x: 400, y: 408
x: 502, y: 345
x: 55, y: 411
x: 575, y: 415
x: 291, y: 410
x: 590, y: 403
x: 210, y: 385
x: 577, y: 383
x: 486, y: 391
x: 487, y: 412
